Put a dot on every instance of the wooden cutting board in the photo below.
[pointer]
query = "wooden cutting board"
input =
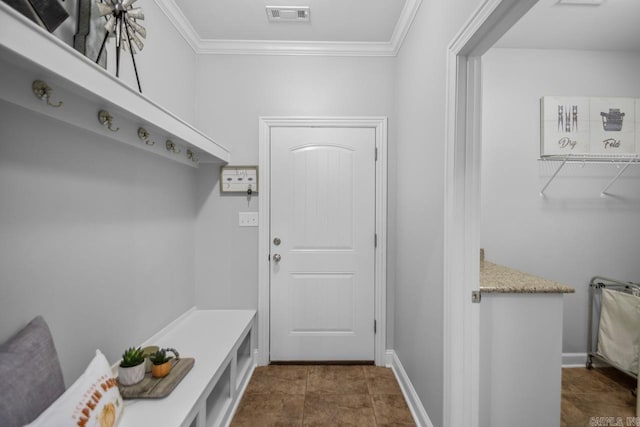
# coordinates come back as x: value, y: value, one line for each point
x: 157, y: 388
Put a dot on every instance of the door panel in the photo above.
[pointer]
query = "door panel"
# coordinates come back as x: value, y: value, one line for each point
x: 322, y: 195
x: 322, y: 303
x: 323, y: 211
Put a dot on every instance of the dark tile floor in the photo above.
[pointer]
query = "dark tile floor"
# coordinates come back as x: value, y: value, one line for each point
x: 292, y: 395
x: 589, y: 394
x: 322, y: 395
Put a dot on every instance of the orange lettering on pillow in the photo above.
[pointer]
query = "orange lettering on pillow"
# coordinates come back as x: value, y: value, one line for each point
x: 107, y: 417
x: 83, y: 422
x: 111, y: 382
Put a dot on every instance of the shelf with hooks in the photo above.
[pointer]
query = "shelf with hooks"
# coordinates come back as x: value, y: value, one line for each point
x: 622, y: 161
x: 44, y: 75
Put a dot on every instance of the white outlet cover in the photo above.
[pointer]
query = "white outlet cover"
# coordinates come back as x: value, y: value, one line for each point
x: 248, y: 219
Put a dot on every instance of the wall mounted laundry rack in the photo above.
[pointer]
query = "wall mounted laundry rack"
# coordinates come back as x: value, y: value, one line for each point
x: 622, y: 161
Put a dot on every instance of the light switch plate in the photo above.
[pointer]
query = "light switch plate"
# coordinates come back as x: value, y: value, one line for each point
x: 248, y: 219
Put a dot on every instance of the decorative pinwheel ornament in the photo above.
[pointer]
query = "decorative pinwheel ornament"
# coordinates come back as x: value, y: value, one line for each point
x: 122, y: 24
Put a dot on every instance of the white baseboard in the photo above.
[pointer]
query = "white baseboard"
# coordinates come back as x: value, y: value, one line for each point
x: 413, y: 401
x: 574, y: 360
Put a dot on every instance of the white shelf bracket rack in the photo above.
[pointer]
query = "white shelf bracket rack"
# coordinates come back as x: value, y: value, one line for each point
x: 603, y: 193
x: 564, y: 162
x: 616, y: 159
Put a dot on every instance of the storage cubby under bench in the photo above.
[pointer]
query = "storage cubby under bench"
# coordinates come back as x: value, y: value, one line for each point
x: 222, y: 343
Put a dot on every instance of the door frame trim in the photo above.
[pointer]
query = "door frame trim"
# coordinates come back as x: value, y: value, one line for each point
x: 264, y: 171
x: 463, y: 136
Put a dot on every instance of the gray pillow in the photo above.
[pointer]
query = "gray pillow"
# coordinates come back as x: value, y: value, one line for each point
x: 30, y: 374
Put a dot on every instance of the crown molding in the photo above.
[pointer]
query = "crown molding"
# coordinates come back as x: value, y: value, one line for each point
x: 404, y: 23
x: 286, y: 47
x: 180, y: 22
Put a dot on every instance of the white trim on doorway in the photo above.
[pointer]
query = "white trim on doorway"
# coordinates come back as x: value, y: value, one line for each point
x: 462, y: 205
x: 264, y: 171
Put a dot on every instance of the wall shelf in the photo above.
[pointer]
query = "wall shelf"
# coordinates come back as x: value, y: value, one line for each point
x: 28, y: 53
x: 623, y: 162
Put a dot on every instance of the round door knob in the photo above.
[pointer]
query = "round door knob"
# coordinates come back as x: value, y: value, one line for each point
x: 277, y: 257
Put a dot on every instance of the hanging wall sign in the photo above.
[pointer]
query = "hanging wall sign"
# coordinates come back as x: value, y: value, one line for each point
x: 638, y: 125
x: 590, y: 127
x: 239, y: 179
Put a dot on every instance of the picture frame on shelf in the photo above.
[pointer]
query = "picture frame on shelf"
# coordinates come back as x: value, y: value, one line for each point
x: 589, y: 127
x: 613, y: 126
x: 89, y: 36
x: 25, y: 8
x: 51, y: 13
x: 564, y: 126
x: 48, y: 14
x: 637, y: 125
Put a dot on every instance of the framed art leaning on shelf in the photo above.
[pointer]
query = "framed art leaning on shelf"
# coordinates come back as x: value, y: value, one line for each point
x: 590, y: 127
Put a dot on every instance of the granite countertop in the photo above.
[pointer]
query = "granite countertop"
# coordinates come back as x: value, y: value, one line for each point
x: 496, y: 278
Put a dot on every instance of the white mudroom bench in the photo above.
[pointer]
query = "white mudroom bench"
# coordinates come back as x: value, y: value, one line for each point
x: 222, y: 342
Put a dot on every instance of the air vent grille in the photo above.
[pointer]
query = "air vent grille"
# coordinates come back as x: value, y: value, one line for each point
x: 581, y: 2
x: 288, y: 13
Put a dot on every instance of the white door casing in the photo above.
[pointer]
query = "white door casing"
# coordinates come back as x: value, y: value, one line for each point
x: 379, y: 127
x: 462, y: 204
x: 322, y: 263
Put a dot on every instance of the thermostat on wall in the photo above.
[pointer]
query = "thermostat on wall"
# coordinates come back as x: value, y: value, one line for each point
x: 239, y: 179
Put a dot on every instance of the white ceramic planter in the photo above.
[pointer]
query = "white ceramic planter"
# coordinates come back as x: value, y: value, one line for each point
x: 132, y: 375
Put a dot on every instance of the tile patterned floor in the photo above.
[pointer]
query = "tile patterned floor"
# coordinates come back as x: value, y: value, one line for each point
x: 281, y: 395
x: 321, y: 395
x: 591, y: 393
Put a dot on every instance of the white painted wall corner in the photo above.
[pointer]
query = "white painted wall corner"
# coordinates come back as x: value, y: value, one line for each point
x: 413, y: 401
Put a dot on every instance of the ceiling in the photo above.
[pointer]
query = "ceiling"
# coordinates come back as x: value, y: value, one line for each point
x: 612, y: 25
x: 330, y: 20
x: 339, y: 27
x: 378, y: 27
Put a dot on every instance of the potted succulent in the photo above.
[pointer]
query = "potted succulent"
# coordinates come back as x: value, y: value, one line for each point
x: 161, y: 363
x: 131, y: 369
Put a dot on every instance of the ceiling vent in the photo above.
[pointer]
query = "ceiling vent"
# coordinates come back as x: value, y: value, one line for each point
x: 581, y: 2
x: 288, y: 13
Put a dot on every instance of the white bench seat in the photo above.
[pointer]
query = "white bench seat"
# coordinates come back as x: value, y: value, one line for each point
x: 222, y: 343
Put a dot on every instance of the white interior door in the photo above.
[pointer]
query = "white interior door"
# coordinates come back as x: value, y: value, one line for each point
x: 322, y: 243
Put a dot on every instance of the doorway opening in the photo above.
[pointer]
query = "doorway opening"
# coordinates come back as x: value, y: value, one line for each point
x: 462, y: 205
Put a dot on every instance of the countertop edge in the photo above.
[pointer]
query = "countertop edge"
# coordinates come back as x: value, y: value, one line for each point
x: 498, y: 279
x: 521, y: 290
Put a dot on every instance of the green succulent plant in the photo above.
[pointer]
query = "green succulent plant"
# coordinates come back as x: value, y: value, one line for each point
x: 160, y: 356
x: 132, y: 357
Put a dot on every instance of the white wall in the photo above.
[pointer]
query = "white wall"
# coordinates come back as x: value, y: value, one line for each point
x: 571, y: 234
x: 418, y: 260
x: 97, y: 236
x: 233, y: 92
x: 166, y: 65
